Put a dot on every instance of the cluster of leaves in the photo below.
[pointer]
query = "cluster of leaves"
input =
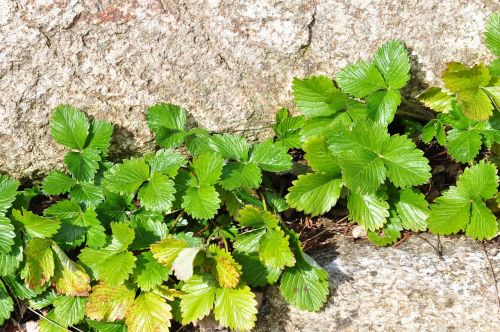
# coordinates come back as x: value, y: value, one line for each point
x: 468, y: 107
x: 131, y: 246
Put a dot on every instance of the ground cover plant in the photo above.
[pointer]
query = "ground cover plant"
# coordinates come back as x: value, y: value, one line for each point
x: 190, y: 229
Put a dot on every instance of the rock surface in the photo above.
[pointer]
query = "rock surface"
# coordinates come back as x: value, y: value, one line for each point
x: 230, y: 63
x: 406, y: 288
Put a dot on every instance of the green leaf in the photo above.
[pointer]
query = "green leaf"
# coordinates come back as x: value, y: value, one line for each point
x: 87, y: 193
x: 39, y: 263
x: 7, y: 235
x: 148, y: 272
x: 230, y: 146
x: 360, y: 79
x: 56, y: 183
x: 107, y: 303
x: 236, y: 174
x: 107, y: 326
x: 412, y: 210
x: 434, y: 128
x: 69, y: 126
x: 6, y: 304
x: 317, y: 96
x: 436, y: 99
x: 392, y: 60
x: 167, y: 162
x: 149, y: 313
x: 483, y: 223
x: 287, y: 129
x: 368, y: 210
x: 463, y: 145
x: 450, y: 213
x: 479, y: 181
x: 207, y: 168
x: 8, y: 192
x: 202, y: 202
x: 493, y: 33
x: 275, y: 250
x: 147, y: 231
x: 389, y: 234
x: 236, y: 308
x: 9, y: 263
x: 35, y: 225
x: 382, y: 106
x: 50, y: 323
x: 69, y: 310
x: 249, y: 241
x: 100, y: 135
x: 83, y: 165
x: 69, y: 277
x: 270, y: 157
x: 494, y: 68
x: 167, y: 121
x: 319, y: 157
x: 406, y: 165
x: 177, y: 254
x: 305, y: 286
x: 126, y: 178
x: 198, y: 297
x: 314, y: 193
x: 225, y: 269
x: 158, y: 193
x: 254, y: 272
x: 251, y: 216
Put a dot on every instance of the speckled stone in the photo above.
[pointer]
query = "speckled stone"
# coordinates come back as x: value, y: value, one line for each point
x: 406, y: 288
x: 230, y: 63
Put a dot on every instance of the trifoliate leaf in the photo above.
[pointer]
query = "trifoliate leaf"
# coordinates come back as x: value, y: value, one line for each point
x: 254, y: 272
x: 167, y: 121
x: 236, y: 174
x: 198, y: 298
x: 39, y: 263
x: 382, y: 106
x: 109, y: 303
x: 251, y: 216
x: 158, y: 193
x: 69, y: 310
x: 493, y: 33
x: 148, y: 272
x: 230, y: 146
x: 8, y: 191
x: 225, y: 269
x: 412, y: 210
x: 35, y: 225
x: 368, y: 210
x: 83, y: 165
x: 100, y: 135
x: 56, y: 183
x: 87, y: 193
x: 69, y: 277
x: 271, y: 157
x: 167, y: 162
x: 7, y: 235
x: 149, y: 313
x: 314, y: 193
x: 287, y: 129
x: 434, y: 128
x: 201, y: 202
x: 207, y: 168
x: 236, y: 308
x: 126, y: 178
x: 391, y: 59
x: 319, y: 157
x: 317, y: 96
x: 6, y: 304
x: 436, y: 99
x: 360, y: 79
x: 69, y: 126
x: 275, y: 250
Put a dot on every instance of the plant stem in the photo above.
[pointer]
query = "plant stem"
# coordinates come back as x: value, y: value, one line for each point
x: 176, y: 220
x: 415, y: 110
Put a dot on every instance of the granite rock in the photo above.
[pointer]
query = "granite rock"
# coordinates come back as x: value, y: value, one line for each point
x: 230, y: 63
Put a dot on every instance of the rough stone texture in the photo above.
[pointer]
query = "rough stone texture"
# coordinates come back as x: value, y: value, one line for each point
x: 407, y: 288
x: 230, y: 63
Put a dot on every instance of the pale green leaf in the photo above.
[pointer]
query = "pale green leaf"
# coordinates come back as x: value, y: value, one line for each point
x: 450, y: 213
x: 319, y: 157
x: 6, y: 304
x: 69, y: 310
x: 8, y: 191
x: 35, y: 225
x: 275, y: 250
x: 126, y: 178
x: 463, y: 145
x: 39, y: 263
x: 368, y: 210
x: 7, y: 235
x: 317, y: 96
x: 207, y: 168
x: 393, y: 62
x: 198, y: 298
x: 148, y: 313
x: 148, y: 272
x: 236, y: 308
x: 382, y: 106
x: 493, y: 33
x: 412, y: 210
x: 483, y: 223
x: 436, y: 99
x: 201, y: 202
x: 251, y: 216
